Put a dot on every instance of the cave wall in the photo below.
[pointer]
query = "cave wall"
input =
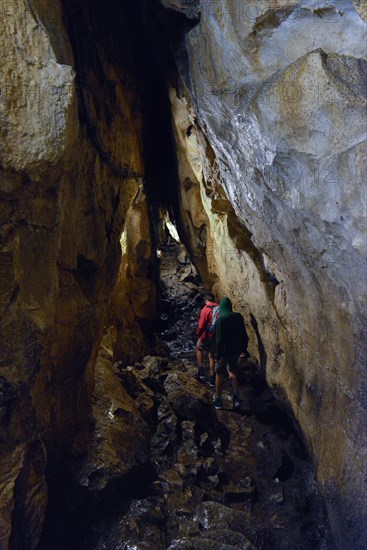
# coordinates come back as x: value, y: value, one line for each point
x: 270, y: 126
x: 70, y: 169
x: 269, y: 129
x: 133, y: 303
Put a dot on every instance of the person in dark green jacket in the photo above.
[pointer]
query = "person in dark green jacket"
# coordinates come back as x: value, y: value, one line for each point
x: 231, y: 340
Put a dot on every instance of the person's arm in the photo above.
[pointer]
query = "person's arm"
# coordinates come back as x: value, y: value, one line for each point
x: 218, y: 338
x: 202, y: 322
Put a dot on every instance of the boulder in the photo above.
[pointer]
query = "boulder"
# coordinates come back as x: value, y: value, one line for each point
x: 215, y: 516
x: 191, y: 400
x: 120, y: 439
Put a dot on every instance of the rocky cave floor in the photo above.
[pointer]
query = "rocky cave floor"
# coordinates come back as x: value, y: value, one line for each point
x: 216, y: 480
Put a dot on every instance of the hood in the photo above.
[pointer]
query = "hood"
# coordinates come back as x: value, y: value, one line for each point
x: 225, y: 306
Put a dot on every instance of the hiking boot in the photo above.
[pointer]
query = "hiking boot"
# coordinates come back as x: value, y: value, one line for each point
x: 236, y: 402
x: 201, y: 374
x: 218, y: 403
x: 211, y: 381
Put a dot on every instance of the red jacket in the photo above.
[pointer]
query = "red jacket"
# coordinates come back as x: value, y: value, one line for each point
x: 204, y: 320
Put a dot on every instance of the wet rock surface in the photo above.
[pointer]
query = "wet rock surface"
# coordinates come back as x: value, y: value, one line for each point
x: 222, y: 479
x: 192, y: 477
x: 181, y: 299
x: 62, y: 211
x: 273, y: 195
x: 269, y: 131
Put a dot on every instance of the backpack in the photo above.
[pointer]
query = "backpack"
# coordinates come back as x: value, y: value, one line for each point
x: 210, y: 329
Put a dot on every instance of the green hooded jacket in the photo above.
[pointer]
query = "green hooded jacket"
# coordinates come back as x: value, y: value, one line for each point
x: 231, y: 335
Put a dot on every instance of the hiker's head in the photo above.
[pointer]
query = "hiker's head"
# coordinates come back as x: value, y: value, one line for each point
x: 225, y: 304
x: 209, y: 297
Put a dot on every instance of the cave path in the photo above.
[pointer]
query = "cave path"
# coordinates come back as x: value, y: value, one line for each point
x: 223, y: 479
x: 214, y: 479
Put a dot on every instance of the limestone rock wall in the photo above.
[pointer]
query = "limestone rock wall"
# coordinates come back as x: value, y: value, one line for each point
x: 70, y: 165
x: 270, y: 129
x: 133, y: 304
x: 271, y: 134
x: 221, y: 247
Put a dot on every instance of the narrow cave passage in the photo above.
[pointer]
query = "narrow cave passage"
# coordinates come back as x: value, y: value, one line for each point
x: 180, y: 300
x: 198, y: 478
x: 202, y: 467
x: 243, y: 125
x: 135, y: 41
x: 218, y: 479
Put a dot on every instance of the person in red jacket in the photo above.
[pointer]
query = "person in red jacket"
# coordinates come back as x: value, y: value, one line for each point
x: 206, y: 342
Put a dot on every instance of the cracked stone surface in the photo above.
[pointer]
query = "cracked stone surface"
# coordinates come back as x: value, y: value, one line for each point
x: 61, y: 218
x: 269, y: 123
x: 247, y: 482
x: 270, y: 130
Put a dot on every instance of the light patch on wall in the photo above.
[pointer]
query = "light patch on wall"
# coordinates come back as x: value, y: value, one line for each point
x: 123, y: 243
x: 172, y: 231
x: 361, y: 8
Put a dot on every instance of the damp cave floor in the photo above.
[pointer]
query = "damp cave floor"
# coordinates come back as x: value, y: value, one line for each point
x: 217, y: 479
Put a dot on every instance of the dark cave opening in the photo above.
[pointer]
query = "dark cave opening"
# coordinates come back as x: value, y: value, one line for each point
x: 153, y: 69
x: 76, y: 516
x: 136, y: 38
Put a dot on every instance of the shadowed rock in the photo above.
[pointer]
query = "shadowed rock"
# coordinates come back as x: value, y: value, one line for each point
x: 190, y: 399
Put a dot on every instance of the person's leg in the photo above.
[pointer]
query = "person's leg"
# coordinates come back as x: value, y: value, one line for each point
x: 219, y: 383
x: 211, y: 363
x: 211, y: 379
x: 234, y: 382
x: 200, y: 358
x: 232, y: 372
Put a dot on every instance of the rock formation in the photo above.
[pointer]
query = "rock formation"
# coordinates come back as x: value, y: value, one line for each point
x: 67, y: 184
x: 271, y: 131
x: 268, y: 107
x: 206, y: 479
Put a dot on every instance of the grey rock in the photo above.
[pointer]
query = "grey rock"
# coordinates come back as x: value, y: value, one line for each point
x: 213, y: 515
x: 139, y: 528
x: 276, y: 492
x: 231, y: 538
x: 188, y: 432
x: 214, y: 480
x: 191, y: 400
x: 190, y: 8
x: 155, y: 364
x: 199, y: 543
x: 278, y: 92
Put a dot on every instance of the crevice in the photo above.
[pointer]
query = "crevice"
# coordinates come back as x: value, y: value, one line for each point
x: 153, y: 68
x: 272, y: 19
x: 86, y: 513
x: 13, y: 299
x: 93, y: 131
x: 86, y: 275
x: 260, y: 344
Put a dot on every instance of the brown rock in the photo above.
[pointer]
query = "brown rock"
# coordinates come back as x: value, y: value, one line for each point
x: 191, y: 400
x: 213, y: 515
x: 132, y: 382
x: 139, y: 528
x: 62, y: 211
x: 120, y: 438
